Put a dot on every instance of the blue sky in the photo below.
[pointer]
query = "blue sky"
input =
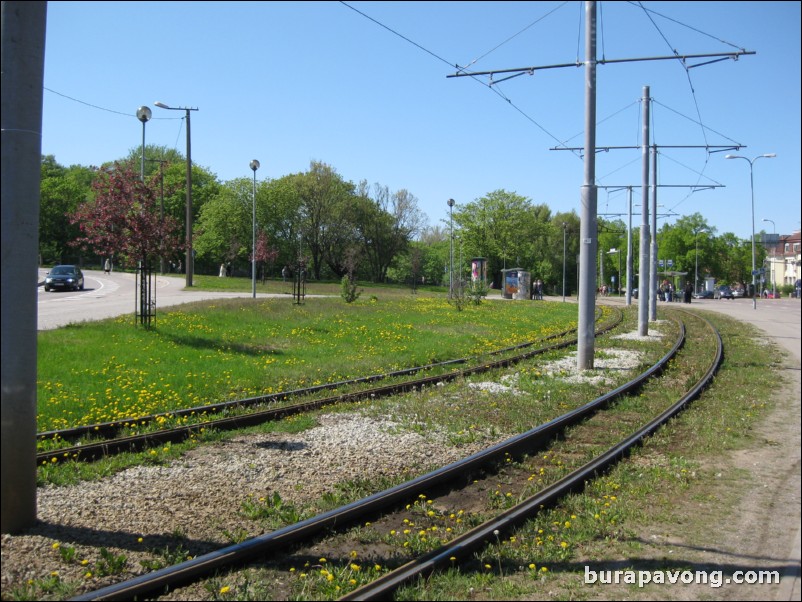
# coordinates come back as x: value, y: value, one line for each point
x: 291, y: 82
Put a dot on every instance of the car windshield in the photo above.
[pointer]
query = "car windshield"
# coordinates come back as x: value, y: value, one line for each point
x: 62, y: 271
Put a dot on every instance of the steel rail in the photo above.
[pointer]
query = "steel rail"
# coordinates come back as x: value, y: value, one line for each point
x: 468, y: 542
x: 280, y: 540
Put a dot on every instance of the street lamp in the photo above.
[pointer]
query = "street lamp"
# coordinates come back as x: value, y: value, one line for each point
x: 696, y: 269
x: 565, y: 229
x: 752, y: 186
x: 143, y: 114
x: 773, y: 257
x: 451, y: 250
x: 190, y: 259
x: 254, y: 167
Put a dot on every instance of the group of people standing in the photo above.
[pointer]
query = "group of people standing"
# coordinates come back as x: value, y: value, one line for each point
x: 537, y: 290
x: 667, y: 292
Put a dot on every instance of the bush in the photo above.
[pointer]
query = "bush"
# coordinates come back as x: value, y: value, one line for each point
x: 348, y: 289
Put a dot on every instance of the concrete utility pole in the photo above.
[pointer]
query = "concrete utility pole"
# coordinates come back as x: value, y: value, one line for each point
x: 588, y: 229
x: 653, y: 284
x: 23, y: 41
x: 643, y: 280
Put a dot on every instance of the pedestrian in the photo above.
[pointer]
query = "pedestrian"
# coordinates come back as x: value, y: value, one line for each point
x: 180, y: 269
x: 285, y: 272
x: 222, y: 273
x: 688, y: 292
x: 107, y: 266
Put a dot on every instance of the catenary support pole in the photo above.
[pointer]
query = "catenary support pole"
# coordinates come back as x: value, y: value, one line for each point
x: 653, y: 282
x: 588, y: 238
x: 643, y: 278
x: 23, y: 51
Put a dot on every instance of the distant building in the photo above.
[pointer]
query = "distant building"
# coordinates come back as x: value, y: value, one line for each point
x: 783, y: 259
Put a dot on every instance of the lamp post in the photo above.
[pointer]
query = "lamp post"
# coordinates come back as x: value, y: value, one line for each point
x: 254, y: 167
x: 451, y: 250
x: 773, y: 257
x: 565, y: 229
x: 190, y: 267
x: 752, y: 187
x: 144, y: 114
x: 696, y: 268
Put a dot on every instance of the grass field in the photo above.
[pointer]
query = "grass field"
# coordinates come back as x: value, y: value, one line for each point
x: 210, y: 352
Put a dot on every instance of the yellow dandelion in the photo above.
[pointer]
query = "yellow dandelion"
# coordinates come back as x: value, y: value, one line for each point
x: 225, y: 589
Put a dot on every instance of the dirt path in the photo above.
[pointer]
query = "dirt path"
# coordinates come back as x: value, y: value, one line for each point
x: 762, y: 531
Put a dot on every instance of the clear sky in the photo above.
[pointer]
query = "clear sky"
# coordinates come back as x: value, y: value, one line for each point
x: 363, y: 87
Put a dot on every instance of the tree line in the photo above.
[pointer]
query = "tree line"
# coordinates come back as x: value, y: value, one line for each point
x: 334, y: 227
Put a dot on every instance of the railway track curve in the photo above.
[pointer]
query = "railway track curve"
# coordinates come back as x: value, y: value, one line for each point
x: 522, y: 444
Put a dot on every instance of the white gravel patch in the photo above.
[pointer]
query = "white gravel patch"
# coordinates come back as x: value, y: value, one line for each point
x: 607, y: 366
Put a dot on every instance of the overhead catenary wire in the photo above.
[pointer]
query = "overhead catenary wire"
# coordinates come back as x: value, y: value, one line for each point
x: 457, y: 66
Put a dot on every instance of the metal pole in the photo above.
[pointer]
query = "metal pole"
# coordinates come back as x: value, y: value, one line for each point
x: 22, y: 73
x: 588, y: 241
x: 752, y: 188
x: 254, y: 167
x: 643, y: 285
x: 654, y: 250
x: 190, y: 267
x: 564, y: 232
x: 451, y: 250
x: 629, y: 250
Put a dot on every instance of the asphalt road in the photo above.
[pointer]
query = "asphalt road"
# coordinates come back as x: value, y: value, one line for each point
x: 112, y: 295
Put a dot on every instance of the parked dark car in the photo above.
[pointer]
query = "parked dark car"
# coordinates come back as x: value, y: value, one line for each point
x: 723, y: 292
x: 64, y: 277
x: 703, y: 295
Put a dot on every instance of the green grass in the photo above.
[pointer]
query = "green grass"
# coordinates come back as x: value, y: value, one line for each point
x: 210, y: 352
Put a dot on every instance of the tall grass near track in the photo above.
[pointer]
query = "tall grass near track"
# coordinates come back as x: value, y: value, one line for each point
x: 210, y: 352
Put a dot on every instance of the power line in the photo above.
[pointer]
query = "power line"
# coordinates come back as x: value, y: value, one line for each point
x: 457, y: 66
x: 89, y: 104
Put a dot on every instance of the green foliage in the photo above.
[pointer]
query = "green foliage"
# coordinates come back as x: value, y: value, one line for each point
x: 349, y: 291
x: 110, y: 564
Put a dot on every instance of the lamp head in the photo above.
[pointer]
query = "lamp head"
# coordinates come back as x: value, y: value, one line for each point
x: 451, y: 202
x: 144, y: 114
x: 161, y: 105
x: 254, y: 165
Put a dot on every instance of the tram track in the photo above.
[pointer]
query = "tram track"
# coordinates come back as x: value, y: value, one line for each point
x: 526, y: 443
x: 105, y: 441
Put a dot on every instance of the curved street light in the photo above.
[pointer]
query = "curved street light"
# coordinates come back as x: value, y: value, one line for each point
x: 752, y: 186
x: 254, y: 167
x: 190, y: 264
